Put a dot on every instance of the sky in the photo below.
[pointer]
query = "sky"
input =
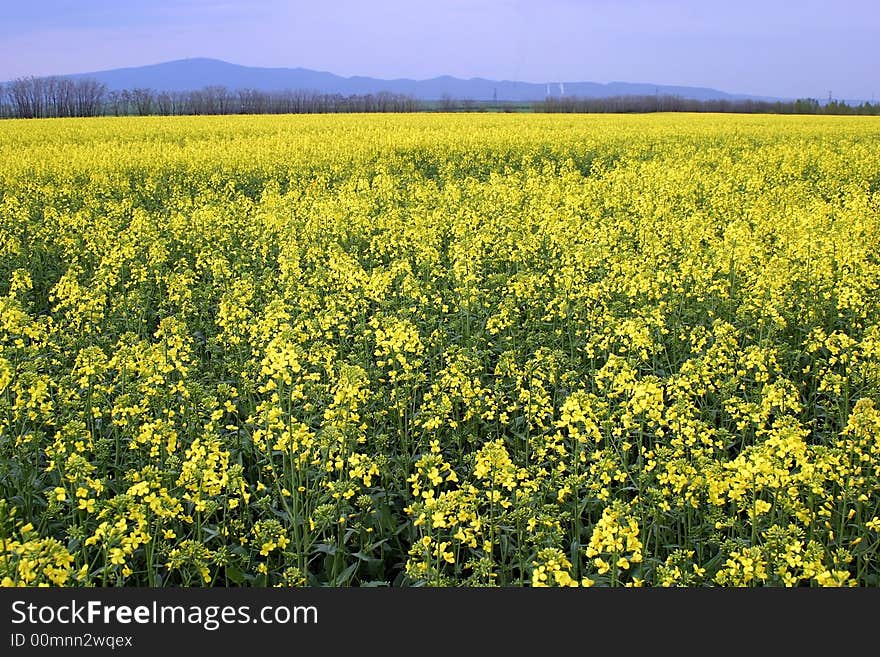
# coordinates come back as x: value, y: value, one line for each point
x: 781, y: 48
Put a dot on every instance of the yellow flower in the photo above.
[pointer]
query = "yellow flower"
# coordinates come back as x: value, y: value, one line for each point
x: 117, y: 556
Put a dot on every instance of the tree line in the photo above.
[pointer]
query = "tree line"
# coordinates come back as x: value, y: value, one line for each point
x: 664, y: 103
x: 29, y: 98
x: 49, y: 97
x: 54, y: 97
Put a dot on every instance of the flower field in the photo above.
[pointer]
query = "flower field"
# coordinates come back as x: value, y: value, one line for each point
x: 440, y: 350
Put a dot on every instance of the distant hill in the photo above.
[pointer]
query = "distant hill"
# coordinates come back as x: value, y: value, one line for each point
x: 192, y: 74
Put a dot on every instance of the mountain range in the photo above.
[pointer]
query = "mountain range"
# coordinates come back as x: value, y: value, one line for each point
x: 196, y: 73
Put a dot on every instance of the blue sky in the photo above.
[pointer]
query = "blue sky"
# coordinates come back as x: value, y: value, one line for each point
x: 769, y: 47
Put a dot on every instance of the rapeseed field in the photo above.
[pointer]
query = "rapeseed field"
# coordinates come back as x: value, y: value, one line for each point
x: 440, y: 350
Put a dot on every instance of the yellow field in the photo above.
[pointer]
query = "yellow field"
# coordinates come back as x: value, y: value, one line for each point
x: 440, y: 350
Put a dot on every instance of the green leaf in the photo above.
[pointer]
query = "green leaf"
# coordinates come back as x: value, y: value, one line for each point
x: 234, y: 574
x: 345, y: 575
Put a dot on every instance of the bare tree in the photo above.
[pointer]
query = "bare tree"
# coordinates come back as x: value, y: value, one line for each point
x: 58, y: 96
x: 89, y: 97
x: 222, y: 99
x: 143, y: 100
x: 165, y: 103
x: 27, y: 97
x: 114, y: 102
x: 252, y: 101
